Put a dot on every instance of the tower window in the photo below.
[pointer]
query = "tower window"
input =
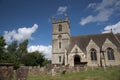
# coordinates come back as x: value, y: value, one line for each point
x: 110, y: 54
x: 60, y: 27
x: 59, y: 37
x: 59, y: 58
x: 59, y: 44
x: 93, y: 54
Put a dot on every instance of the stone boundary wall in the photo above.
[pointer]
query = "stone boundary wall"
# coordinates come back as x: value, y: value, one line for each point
x: 37, y: 70
x: 6, y: 71
x: 22, y: 73
x: 34, y: 70
x: 63, y: 69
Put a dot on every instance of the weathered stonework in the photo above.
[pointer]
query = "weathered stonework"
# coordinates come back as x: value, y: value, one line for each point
x: 67, y: 47
x: 115, y: 62
x: 6, y: 71
x: 22, y: 73
x: 92, y: 44
x: 58, y: 52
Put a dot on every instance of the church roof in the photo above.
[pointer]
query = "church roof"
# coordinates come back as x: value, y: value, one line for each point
x: 118, y: 36
x: 83, y: 41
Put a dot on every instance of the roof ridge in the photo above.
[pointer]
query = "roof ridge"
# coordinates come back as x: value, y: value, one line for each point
x: 91, y: 35
x: 116, y: 38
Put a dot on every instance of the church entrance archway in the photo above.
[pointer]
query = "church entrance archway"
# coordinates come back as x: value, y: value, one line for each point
x: 76, y: 60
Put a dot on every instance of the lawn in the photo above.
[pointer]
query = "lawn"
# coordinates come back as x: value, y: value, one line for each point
x: 96, y: 74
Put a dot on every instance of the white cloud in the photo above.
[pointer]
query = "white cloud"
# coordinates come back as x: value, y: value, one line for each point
x: 46, y: 50
x: 91, y: 5
x: 86, y: 20
x: 20, y: 34
x: 104, y: 10
x: 62, y: 10
x: 115, y: 28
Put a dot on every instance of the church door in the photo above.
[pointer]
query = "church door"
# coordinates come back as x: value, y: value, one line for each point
x: 76, y: 60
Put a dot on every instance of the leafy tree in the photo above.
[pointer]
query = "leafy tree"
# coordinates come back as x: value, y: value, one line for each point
x: 12, y: 48
x: 11, y: 56
x: 22, y: 49
x: 2, y: 44
x: 17, y: 53
x: 29, y: 59
x: 13, y: 53
x: 34, y: 59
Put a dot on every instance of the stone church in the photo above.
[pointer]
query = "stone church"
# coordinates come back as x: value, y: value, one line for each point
x: 91, y: 50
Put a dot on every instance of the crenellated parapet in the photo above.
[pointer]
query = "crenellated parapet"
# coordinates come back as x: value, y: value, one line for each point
x: 55, y: 20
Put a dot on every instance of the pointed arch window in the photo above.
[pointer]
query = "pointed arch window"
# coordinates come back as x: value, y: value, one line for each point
x: 59, y: 58
x: 59, y: 44
x: 93, y: 54
x: 60, y: 27
x: 110, y: 54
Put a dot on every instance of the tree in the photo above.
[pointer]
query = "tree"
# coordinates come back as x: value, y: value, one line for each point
x: 34, y: 59
x: 22, y: 49
x: 12, y: 48
x: 11, y: 55
x: 17, y: 53
x: 2, y: 44
x: 5, y: 56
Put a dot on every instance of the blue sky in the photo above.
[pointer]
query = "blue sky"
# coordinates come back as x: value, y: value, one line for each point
x: 31, y: 19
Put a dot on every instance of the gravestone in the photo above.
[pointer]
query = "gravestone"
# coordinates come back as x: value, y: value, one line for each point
x: 53, y: 72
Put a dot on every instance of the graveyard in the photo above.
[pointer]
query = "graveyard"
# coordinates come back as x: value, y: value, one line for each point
x: 59, y: 39
x: 111, y: 73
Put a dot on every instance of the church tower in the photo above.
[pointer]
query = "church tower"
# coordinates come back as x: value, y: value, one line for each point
x: 60, y: 40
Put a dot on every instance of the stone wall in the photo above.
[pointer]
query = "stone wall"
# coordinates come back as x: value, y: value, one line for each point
x: 22, y: 73
x: 69, y: 69
x: 55, y: 69
x: 6, y: 71
x: 36, y: 70
x: 107, y: 44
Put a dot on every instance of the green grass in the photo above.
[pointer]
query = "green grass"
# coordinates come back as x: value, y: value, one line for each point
x: 96, y: 74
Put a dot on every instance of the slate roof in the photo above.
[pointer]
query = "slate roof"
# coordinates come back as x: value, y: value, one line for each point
x: 118, y: 36
x: 99, y: 39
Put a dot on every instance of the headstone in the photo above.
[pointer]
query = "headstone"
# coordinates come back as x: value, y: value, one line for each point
x: 85, y: 68
x: 53, y: 72
x: 104, y: 67
x: 30, y: 68
x: 64, y: 71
